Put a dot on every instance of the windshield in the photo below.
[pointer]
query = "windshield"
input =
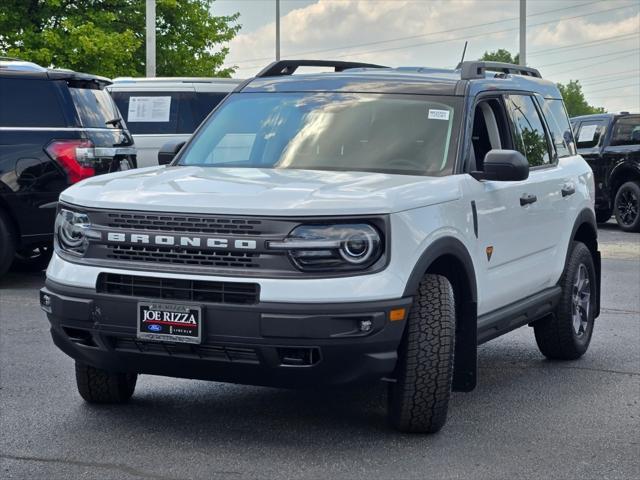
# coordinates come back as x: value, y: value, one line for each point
x: 95, y: 108
x: 405, y: 134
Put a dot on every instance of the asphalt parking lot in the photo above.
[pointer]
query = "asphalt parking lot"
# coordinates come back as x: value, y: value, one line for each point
x: 529, y: 417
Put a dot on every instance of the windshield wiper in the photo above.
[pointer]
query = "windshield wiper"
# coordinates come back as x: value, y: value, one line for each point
x: 116, y: 122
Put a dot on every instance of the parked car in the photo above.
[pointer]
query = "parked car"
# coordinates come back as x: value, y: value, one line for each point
x: 161, y: 109
x: 610, y: 143
x: 57, y: 127
x: 375, y: 222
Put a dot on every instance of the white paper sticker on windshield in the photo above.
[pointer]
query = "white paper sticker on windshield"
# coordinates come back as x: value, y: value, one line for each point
x: 587, y: 133
x: 438, y: 114
x: 149, y: 109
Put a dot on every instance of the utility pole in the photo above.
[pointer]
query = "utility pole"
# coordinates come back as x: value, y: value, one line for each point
x: 277, y: 30
x: 523, y: 33
x: 151, y: 37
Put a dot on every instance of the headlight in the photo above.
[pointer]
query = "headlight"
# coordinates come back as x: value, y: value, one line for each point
x: 72, y: 231
x: 327, y: 247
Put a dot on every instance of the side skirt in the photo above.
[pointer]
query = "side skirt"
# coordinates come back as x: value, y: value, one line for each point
x: 517, y: 314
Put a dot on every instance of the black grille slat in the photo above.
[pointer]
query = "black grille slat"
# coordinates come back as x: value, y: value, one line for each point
x: 178, y: 289
x: 183, y: 256
x: 214, y: 352
x: 184, y: 224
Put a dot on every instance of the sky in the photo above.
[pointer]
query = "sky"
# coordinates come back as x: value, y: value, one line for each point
x: 596, y: 42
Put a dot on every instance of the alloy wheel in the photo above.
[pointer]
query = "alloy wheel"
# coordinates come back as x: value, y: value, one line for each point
x: 581, y: 304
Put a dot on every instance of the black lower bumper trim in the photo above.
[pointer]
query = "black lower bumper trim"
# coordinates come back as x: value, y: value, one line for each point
x: 276, y: 344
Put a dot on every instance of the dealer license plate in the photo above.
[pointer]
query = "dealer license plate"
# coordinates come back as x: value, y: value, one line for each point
x: 168, y: 322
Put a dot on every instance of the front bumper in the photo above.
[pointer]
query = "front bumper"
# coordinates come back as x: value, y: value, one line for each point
x: 274, y: 344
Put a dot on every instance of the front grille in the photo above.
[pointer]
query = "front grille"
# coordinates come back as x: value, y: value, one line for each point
x: 178, y: 289
x: 214, y: 352
x: 185, y: 223
x: 182, y: 256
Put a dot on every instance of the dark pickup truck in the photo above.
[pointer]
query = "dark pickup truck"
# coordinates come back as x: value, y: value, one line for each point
x: 610, y: 143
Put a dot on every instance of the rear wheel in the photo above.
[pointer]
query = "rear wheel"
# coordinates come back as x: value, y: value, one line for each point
x: 7, y: 245
x: 101, y: 386
x: 419, y: 400
x: 566, y: 334
x: 627, y: 207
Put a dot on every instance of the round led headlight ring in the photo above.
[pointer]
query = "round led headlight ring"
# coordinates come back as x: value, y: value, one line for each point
x: 359, y: 247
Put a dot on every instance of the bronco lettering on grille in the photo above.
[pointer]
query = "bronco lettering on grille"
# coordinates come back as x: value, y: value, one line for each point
x: 180, y: 240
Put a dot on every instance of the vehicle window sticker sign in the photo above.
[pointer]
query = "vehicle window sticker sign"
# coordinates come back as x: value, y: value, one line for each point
x: 438, y: 114
x: 587, y: 133
x: 149, y: 109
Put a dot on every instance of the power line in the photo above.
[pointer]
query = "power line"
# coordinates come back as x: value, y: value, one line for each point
x: 411, y: 37
x: 588, y: 58
x: 573, y: 46
x: 612, y: 59
x: 610, y: 78
x: 601, y: 75
x: 616, y: 88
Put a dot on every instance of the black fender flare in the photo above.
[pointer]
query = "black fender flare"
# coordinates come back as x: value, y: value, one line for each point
x: 466, y: 349
x: 587, y: 218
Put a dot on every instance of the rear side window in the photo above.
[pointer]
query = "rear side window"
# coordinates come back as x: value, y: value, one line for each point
x: 559, y: 127
x: 589, y: 132
x: 30, y: 103
x: 626, y: 131
x: 530, y: 136
x: 165, y: 112
x: 95, y: 107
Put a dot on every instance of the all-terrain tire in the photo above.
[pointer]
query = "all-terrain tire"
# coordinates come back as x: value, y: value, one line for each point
x: 100, y: 386
x: 626, y: 207
x: 7, y: 244
x: 419, y: 399
x: 561, y: 336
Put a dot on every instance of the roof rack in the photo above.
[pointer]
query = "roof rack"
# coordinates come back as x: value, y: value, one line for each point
x: 288, y: 67
x: 471, y: 70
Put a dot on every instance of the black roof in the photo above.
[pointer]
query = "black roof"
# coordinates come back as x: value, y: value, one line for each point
x: 355, y: 77
x: 19, y: 69
x: 599, y: 116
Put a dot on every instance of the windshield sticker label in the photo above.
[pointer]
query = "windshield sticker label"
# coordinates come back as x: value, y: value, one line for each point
x: 438, y: 114
x: 149, y: 109
x: 587, y: 133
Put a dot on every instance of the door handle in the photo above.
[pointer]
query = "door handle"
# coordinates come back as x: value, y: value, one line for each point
x: 568, y: 189
x: 527, y: 199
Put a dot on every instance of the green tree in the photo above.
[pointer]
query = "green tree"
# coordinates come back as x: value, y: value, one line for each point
x: 501, y: 55
x: 575, y: 101
x: 107, y: 37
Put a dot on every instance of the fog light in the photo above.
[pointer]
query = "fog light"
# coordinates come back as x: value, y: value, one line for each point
x: 45, y: 302
x: 365, y: 325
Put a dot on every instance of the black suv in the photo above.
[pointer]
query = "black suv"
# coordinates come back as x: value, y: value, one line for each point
x: 57, y: 127
x: 610, y: 143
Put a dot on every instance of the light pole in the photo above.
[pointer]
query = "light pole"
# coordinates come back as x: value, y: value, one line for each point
x: 151, y: 37
x: 277, y: 30
x: 523, y: 33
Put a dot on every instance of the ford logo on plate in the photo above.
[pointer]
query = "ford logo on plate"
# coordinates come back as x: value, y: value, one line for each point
x: 154, y: 328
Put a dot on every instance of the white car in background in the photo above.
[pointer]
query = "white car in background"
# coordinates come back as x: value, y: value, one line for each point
x: 157, y: 110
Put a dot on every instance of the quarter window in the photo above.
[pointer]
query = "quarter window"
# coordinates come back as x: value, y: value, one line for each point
x: 626, y: 131
x: 530, y: 137
x: 589, y: 133
x: 559, y: 127
x: 30, y: 103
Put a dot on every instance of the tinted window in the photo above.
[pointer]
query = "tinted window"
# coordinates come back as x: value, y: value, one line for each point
x: 165, y: 112
x: 320, y: 131
x: 589, y: 132
x: 30, y: 103
x: 560, y: 129
x: 626, y: 131
x: 529, y: 134
x: 95, y: 107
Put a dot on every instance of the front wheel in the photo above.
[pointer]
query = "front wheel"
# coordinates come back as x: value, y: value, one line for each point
x: 101, y: 386
x: 419, y: 399
x: 627, y: 207
x: 566, y: 334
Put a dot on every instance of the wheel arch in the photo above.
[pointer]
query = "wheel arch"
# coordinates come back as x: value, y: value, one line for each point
x: 449, y: 257
x: 585, y: 230
x: 622, y: 173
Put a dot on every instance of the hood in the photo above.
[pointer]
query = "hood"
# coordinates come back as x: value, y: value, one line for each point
x: 254, y: 191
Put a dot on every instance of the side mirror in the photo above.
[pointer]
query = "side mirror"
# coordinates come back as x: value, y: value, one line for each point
x: 168, y: 151
x: 503, y: 166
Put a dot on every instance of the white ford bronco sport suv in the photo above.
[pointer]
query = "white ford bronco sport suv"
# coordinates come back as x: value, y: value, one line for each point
x: 328, y: 228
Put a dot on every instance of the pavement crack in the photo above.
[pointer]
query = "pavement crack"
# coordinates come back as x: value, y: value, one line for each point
x: 119, y: 467
x: 601, y: 370
x: 618, y: 310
